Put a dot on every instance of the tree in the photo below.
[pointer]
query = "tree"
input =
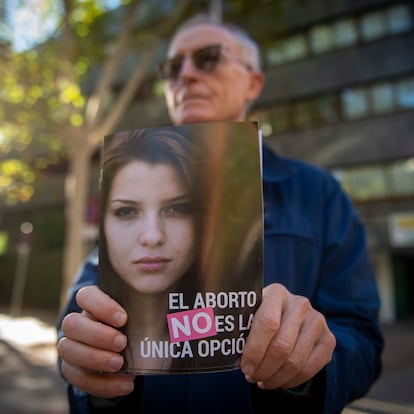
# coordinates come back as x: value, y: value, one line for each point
x: 46, y: 107
x: 98, y: 120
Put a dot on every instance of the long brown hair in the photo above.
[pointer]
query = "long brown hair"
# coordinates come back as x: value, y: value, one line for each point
x: 172, y: 146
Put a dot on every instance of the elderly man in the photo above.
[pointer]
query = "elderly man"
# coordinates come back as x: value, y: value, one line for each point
x: 315, y: 343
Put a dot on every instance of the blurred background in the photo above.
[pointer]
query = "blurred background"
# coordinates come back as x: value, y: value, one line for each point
x: 339, y: 93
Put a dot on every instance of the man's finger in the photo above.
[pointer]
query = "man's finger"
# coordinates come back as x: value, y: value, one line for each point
x: 76, y: 353
x: 82, y: 329
x: 266, y: 324
x: 102, y: 308
x: 98, y: 385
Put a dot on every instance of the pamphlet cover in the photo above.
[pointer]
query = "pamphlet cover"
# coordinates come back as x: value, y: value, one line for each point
x: 181, y: 242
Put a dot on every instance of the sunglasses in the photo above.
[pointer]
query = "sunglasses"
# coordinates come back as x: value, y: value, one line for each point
x: 204, y: 59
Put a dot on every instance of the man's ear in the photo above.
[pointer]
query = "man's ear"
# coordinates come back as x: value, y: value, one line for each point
x: 257, y: 80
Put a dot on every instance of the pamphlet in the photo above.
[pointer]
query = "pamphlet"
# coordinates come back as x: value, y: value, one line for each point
x: 181, y: 242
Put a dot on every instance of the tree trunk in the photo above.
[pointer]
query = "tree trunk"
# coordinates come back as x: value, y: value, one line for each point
x: 76, y: 191
x: 98, y: 125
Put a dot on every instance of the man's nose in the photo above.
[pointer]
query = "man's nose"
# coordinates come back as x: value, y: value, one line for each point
x: 188, y: 69
x: 151, y: 232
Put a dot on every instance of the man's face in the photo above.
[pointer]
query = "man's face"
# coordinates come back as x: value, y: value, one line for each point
x: 220, y: 94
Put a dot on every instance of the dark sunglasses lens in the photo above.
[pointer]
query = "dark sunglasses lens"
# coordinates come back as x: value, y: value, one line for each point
x: 204, y: 59
x: 171, y: 68
x: 207, y: 58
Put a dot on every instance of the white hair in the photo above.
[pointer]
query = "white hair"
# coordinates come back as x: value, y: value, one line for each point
x: 249, y: 48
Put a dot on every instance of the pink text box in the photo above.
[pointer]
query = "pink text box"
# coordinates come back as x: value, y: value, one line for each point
x: 191, y: 324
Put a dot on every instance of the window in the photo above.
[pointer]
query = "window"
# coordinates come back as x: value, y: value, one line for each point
x: 366, y: 183
x: 382, y: 98
x: 326, y: 110
x: 378, y: 181
x: 405, y: 93
x: 325, y: 37
x: 274, y: 120
x: 373, y: 26
x: 275, y: 54
x: 399, y: 19
x: 288, y: 50
x: 345, y: 33
x: 402, y: 177
x: 322, y: 39
x: 295, y: 48
x: 355, y: 103
x: 302, y: 114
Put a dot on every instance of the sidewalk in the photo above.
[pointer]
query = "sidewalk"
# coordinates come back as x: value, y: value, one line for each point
x: 30, y: 384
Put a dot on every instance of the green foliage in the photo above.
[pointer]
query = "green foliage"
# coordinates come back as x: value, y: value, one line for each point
x: 41, y: 101
x: 4, y: 239
x: 30, y: 116
x: 16, y: 181
x: 45, y: 89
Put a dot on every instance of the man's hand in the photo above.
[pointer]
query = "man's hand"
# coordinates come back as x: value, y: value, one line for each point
x: 289, y: 341
x: 91, y: 344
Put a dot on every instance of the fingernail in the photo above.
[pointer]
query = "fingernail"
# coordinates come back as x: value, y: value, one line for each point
x: 120, y: 342
x: 126, y: 387
x: 248, y: 370
x: 116, y: 362
x: 249, y: 379
x: 119, y: 318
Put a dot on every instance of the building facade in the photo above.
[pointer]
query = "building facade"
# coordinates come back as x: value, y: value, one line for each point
x: 340, y: 94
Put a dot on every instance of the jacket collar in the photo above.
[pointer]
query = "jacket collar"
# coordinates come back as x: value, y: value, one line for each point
x: 275, y: 168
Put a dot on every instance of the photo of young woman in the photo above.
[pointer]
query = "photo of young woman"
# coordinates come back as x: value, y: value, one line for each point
x: 166, y: 201
x: 147, y: 235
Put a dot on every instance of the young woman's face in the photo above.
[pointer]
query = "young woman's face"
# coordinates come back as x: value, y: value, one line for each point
x: 149, y: 226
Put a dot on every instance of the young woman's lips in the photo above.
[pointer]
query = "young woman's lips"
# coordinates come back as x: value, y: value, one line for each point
x: 151, y: 264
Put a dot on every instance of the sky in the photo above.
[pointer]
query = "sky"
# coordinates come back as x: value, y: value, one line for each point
x: 30, y: 23
x: 33, y: 21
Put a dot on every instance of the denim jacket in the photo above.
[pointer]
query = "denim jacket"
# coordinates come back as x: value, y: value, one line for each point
x: 315, y: 246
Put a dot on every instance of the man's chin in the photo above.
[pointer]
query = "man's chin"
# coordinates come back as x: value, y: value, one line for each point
x: 193, y: 115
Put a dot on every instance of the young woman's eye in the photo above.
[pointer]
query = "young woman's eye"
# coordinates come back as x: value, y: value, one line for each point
x: 125, y: 212
x: 178, y: 210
